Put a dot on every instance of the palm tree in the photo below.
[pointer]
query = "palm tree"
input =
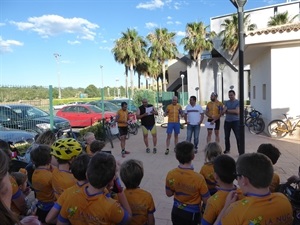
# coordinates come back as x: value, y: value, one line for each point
x: 230, y: 34
x: 280, y: 19
x: 163, y: 47
x: 128, y: 50
x: 197, y: 40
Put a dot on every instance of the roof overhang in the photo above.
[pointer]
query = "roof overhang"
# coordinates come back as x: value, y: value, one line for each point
x: 258, y: 41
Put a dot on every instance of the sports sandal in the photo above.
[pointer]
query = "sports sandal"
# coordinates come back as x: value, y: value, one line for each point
x: 148, y: 150
x: 154, y: 150
x: 167, y: 152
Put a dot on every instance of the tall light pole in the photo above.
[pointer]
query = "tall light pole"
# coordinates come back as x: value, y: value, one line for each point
x: 56, y: 55
x: 102, y: 93
x: 239, y: 4
x: 222, y: 67
x: 117, y: 81
x: 182, y: 89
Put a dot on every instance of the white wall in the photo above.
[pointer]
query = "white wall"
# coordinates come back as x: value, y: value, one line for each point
x: 261, y: 74
x: 285, y: 80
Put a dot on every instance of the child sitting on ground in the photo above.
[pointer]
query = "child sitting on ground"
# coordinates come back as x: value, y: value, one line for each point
x: 188, y: 187
x: 78, y: 169
x: 212, y: 150
x: 224, y: 167
x: 65, y: 151
x: 41, y: 180
x: 140, y: 201
x: 90, y: 205
x: 272, y: 153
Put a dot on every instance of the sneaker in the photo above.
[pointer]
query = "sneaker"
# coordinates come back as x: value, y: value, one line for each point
x: 123, y: 152
x: 154, y: 150
x: 196, y: 150
x: 148, y: 150
x: 167, y: 152
x: 226, y: 151
x: 127, y: 152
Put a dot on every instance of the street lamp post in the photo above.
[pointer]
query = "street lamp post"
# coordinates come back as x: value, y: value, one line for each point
x: 117, y: 80
x: 222, y: 67
x: 56, y: 55
x: 102, y: 93
x: 239, y: 4
x: 182, y: 88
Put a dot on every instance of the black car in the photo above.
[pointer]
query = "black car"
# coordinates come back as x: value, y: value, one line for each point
x: 16, y: 136
x: 30, y: 118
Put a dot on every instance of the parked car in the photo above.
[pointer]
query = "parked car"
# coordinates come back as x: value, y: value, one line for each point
x: 58, y: 107
x: 108, y: 106
x: 30, y: 118
x: 16, y: 136
x: 83, y: 115
x: 120, y: 100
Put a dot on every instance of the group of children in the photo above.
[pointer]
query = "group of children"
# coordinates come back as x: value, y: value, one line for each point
x: 73, y: 186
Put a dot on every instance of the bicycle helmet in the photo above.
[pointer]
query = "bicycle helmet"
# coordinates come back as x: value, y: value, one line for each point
x: 66, y: 148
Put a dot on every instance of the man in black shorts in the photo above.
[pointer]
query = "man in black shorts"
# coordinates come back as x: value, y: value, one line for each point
x: 122, y: 119
x: 146, y: 113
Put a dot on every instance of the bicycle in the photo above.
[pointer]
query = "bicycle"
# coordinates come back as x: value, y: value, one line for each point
x: 253, y: 121
x: 160, y: 117
x: 280, y: 128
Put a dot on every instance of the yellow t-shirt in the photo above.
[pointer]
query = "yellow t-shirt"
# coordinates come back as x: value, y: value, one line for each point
x: 189, y: 188
x: 273, y: 209
x: 122, y: 118
x: 141, y: 204
x: 42, y: 185
x: 81, y: 208
x: 214, y: 108
x: 61, y: 180
x: 207, y: 172
x: 174, y: 112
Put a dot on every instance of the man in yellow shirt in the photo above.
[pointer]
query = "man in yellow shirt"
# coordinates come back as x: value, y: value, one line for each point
x: 213, y: 112
x: 122, y: 119
x: 173, y: 111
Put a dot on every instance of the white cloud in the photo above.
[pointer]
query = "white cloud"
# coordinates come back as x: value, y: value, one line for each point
x: 177, y: 22
x: 2, y: 24
x: 180, y: 33
x: 169, y: 22
x: 53, y: 25
x: 104, y: 41
x: 73, y: 42
x: 151, y: 25
x: 169, y: 17
x: 6, y: 45
x: 153, y: 4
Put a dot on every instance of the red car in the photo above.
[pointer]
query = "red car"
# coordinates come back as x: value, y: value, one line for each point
x: 83, y: 115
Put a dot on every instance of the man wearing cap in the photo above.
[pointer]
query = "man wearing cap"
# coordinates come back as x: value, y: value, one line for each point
x: 214, y: 111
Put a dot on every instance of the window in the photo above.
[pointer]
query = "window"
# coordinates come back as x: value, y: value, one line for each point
x: 254, y: 92
x: 264, y: 91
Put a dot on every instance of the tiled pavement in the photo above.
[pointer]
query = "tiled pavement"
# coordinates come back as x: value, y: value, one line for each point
x: 157, y: 165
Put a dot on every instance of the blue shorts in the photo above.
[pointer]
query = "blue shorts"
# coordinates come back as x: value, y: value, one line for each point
x: 173, y: 126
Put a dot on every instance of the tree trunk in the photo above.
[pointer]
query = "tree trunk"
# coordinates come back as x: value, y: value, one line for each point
x: 199, y: 80
x: 164, y: 86
x: 131, y: 80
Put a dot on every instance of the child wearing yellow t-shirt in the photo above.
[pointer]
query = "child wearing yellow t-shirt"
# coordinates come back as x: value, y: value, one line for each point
x: 187, y: 186
x: 212, y: 150
x: 140, y: 201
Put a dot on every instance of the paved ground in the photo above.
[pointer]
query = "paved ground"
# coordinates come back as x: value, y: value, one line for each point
x: 157, y: 165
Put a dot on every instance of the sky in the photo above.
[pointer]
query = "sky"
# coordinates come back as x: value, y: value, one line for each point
x: 68, y: 43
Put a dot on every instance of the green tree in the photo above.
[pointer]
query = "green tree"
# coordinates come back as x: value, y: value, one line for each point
x: 197, y: 40
x: 92, y: 91
x: 230, y: 33
x: 128, y: 50
x: 280, y: 19
x: 163, y: 47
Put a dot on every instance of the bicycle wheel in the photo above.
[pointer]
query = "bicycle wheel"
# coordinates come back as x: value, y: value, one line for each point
x: 164, y: 125
x: 108, y: 136
x: 277, y: 129
x: 247, y: 121
x: 256, y: 126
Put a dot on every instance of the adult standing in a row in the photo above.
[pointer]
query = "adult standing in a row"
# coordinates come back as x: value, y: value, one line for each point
x: 146, y: 113
x: 173, y: 111
x: 193, y: 117
x: 232, y: 111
